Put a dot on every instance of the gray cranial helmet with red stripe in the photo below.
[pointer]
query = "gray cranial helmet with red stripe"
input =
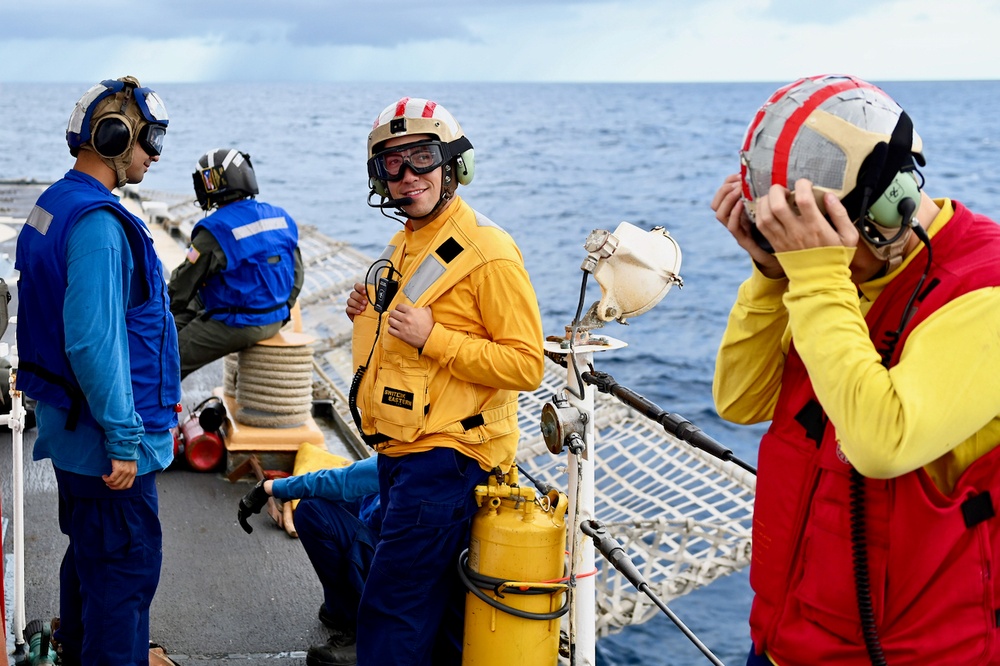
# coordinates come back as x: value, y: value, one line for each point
x: 845, y: 135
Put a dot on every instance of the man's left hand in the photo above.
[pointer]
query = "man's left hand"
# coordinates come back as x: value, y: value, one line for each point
x: 122, y: 474
x: 411, y: 325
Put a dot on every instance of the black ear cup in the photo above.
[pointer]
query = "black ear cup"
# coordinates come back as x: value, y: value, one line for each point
x: 111, y: 137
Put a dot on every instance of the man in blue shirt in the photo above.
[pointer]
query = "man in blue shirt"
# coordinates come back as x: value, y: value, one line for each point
x: 338, y: 520
x: 98, y: 351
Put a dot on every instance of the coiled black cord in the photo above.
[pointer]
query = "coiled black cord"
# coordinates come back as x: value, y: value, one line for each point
x: 862, y: 579
x: 352, y: 393
x: 859, y: 537
x: 473, y: 581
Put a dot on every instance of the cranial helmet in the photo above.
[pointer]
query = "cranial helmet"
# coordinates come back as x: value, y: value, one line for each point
x: 111, y: 117
x: 410, y: 116
x: 846, y: 136
x: 222, y: 176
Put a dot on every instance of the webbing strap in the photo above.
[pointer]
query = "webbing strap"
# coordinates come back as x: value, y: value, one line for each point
x: 978, y: 508
x: 812, y: 418
x: 76, y: 396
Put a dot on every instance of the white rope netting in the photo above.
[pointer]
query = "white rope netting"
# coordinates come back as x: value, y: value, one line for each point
x: 683, y: 516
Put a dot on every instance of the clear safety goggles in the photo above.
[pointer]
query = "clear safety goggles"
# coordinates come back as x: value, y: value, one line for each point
x: 422, y: 157
x: 151, y: 138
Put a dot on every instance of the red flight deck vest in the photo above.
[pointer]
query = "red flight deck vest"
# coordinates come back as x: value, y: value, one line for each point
x: 932, y: 558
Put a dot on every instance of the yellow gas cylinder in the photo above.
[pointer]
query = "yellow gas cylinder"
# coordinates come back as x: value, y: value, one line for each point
x: 515, y: 574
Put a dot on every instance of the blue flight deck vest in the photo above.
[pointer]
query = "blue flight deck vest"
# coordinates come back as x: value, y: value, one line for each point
x: 45, y: 373
x: 259, y: 242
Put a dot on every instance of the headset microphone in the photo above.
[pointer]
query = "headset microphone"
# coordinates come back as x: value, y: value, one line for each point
x: 390, y: 203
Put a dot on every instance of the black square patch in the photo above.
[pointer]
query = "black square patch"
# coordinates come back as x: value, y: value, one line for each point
x: 449, y: 249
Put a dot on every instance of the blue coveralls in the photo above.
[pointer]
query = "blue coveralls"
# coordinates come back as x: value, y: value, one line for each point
x: 338, y: 521
x: 115, y: 332
x: 428, y: 502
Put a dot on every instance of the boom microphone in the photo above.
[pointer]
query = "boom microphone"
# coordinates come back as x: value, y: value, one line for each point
x: 392, y: 203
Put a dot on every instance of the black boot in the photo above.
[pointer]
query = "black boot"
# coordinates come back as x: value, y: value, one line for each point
x: 327, y: 619
x: 339, y: 650
x: 334, y: 653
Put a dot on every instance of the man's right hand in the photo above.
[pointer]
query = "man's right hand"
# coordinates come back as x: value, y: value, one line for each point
x: 357, y: 301
x: 251, y: 504
x: 122, y: 474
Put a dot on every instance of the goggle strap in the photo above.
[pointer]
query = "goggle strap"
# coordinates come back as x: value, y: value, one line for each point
x: 457, y: 147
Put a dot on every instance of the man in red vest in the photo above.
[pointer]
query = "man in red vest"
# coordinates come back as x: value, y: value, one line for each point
x: 869, y: 335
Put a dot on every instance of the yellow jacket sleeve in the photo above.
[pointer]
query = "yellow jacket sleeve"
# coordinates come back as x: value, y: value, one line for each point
x: 931, y: 407
x: 752, y: 353
x: 510, y: 355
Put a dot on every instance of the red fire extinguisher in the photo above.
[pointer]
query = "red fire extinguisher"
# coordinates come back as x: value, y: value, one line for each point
x: 200, y: 439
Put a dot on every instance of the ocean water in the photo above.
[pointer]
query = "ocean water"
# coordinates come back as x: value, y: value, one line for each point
x: 553, y: 163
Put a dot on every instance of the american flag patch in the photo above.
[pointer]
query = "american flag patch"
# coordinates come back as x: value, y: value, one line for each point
x: 193, y: 254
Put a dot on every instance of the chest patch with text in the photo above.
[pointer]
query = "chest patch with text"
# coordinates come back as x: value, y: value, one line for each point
x: 397, y: 398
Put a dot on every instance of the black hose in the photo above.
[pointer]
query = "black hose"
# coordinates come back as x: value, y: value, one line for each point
x: 473, y: 581
x: 674, y: 424
x: 613, y: 552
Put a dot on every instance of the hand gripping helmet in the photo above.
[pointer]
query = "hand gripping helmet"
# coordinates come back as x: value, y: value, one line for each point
x: 846, y: 136
x: 111, y: 117
x: 222, y: 176
x: 410, y: 116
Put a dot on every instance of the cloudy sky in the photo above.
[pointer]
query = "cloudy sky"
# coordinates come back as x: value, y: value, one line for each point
x: 497, y: 40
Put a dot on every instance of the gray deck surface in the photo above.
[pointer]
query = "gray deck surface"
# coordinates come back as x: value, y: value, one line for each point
x: 224, y: 597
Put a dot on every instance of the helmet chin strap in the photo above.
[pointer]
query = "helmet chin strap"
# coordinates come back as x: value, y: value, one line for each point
x: 893, y: 253
x: 121, y: 164
x: 118, y: 164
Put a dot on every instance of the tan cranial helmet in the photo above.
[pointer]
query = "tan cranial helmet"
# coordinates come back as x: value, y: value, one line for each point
x: 845, y: 135
x: 111, y: 117
x: 411, y: 116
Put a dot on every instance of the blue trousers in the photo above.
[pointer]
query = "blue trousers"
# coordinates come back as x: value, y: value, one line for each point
x: 110, y: 570
x: 754, y: 659
x: 413, y: 606
x: 340, y: 547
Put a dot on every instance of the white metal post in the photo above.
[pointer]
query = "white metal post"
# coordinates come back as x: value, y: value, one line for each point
x: 15, y: 421
x: 583, y: 609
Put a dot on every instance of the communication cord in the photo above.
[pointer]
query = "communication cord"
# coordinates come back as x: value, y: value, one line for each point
x: 859, y: 538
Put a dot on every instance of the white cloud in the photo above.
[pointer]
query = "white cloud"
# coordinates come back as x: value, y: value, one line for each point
x: 629, y: 40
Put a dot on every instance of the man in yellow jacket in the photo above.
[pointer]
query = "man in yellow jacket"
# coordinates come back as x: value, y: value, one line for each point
x: 447, y: 331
